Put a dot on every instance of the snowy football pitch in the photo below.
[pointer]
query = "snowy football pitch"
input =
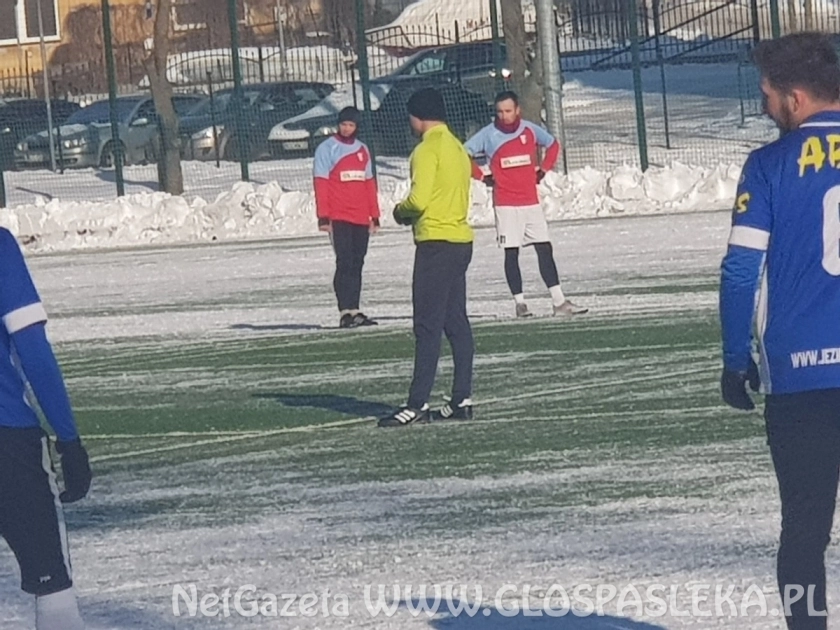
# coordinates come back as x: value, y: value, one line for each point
x: 231, y: 428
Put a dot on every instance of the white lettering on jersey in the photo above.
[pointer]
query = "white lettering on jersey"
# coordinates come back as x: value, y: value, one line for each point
x: 352, y: 176
x: 810, y: 358
x: 516, y: 160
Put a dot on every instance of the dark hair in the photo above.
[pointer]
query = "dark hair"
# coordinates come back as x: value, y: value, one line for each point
x: 507, y: 95
x: 807, y: 61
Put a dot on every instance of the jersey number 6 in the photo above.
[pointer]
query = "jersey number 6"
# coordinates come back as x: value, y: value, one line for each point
x: 831, y: 231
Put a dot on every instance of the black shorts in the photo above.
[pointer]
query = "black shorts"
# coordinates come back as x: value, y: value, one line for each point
x: 31, y: 519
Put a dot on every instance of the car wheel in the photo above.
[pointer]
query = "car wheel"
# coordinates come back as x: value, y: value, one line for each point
x: 107, y: 158
x: 472, y: 128
x: 228, y: 148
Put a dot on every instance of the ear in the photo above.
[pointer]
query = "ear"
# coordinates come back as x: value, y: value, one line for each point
x: 798, y: 99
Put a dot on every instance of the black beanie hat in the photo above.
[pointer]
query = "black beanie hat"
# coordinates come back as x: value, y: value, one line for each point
x: 349, y: 114
x: 427, y: 104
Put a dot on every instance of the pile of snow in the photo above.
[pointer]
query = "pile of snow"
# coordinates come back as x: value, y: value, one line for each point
x: 250, y: 211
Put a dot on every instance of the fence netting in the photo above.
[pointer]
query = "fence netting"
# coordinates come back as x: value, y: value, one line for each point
x: 299, y: 63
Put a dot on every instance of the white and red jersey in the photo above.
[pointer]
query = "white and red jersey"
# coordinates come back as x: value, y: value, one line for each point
x: 345, y: 189
x: 513, y: 158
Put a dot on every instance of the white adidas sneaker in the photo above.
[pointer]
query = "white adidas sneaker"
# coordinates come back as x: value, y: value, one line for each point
x: 569, y: 308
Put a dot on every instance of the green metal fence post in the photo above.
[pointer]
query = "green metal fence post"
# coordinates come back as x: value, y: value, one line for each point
x: 775, y: 23
x: 756, y: 25
x: 112, y: 98
x: 237, y: 91
x: 641, y: 130
x: 657, y: 29
x: 498, y: 62
x: 2, y: 188
x: 364, y: 78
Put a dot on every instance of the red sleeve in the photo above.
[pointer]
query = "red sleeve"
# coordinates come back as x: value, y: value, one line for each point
x: 322, y: 197
x: 477, y: 173
x: 373, y: 197
x: 550, y: 157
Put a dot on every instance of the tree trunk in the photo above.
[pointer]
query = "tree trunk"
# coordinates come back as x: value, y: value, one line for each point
x: 524, y: 77
x: 170, y: 177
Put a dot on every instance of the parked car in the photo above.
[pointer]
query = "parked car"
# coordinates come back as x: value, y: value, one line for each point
x: 85, y: 139
x: 257, y: 65
x: 471, y: 66
x: 22, y: 117
x: 390, y: 133
x: 261, y: 108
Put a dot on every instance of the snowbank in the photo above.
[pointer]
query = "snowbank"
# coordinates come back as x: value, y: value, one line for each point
x: 250, y: 211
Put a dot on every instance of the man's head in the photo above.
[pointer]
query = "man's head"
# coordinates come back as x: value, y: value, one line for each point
x: 800, y: 76
x: 507, y: 108
x: 426, y: 109
x: 348, y: 122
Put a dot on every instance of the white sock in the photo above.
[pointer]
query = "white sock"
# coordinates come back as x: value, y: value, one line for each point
x: 58, y: 611
x: 519, y: 298
x: 557, y: 296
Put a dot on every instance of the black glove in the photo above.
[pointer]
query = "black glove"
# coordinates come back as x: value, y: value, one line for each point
x: 374, y: 222
x: 399, y: 218
x: 489, y: 181
x: 76, y: 467
x: 540, y: 175
x: 733, y: 387
x: 323, y: 222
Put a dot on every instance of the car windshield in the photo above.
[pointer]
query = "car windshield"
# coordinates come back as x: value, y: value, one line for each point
x: 100, y: 112
x: 408, y: 66
x: 220, y: 102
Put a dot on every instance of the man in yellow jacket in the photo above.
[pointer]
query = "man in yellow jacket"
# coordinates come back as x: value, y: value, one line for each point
x: 437, y: 208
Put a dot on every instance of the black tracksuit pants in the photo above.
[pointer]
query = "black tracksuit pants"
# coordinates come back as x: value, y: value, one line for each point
x: 803, y: 432
x: 440, y: 307
x: 350, y: 242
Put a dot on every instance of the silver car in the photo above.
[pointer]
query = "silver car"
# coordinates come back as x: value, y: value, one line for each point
x: 85, y: 139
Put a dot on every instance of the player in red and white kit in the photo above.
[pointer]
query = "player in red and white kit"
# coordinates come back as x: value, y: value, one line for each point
x: 348, y: 208
x: 511, y: 146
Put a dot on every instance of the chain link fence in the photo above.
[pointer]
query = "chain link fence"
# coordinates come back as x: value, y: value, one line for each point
x: 299, y: 63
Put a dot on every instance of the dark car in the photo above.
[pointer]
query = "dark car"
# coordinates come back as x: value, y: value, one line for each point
x: 464, y: 73
x: 467, y: 112
x: 86, y: 139
x: 471, y: 66
x: 22, y: 117
x: 262, y: 106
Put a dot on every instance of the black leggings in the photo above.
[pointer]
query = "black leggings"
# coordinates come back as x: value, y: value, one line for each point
x: 545, y: 258
x: 350, y: 243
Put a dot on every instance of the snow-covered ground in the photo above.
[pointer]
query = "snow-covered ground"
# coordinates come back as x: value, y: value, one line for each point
x: 309, y: 536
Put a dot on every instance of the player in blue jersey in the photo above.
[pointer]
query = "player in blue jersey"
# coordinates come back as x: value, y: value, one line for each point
x: 31, y: 519
x: 785, y: 246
